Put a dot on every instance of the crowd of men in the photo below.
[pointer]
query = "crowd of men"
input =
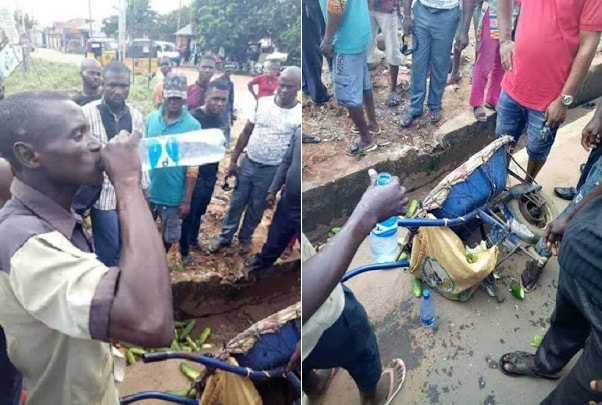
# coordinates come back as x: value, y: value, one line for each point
x: 523, y: 73
x: 67, y: 158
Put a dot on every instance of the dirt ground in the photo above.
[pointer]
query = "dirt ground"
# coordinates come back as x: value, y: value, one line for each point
x: 332, y: 124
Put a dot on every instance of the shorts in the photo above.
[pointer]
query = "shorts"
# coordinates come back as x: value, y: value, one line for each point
x: 349, y: 343
x: 513, y: 118
x: 389, y: 27
x: 351, y: 79
x: 171, y: 224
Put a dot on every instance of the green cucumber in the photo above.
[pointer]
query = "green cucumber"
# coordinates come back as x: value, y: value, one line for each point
x: 412, y: 207
x: 402, y: 257
x: 186, y: 331
x: 189, y: 372
x: 416, y: 287
x: 130, y: 357
x: 517, y: 290
x: 203, y: 336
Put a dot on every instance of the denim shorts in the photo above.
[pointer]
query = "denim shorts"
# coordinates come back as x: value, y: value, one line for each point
x: 513, y: 118
x: 351, y: 79
x: 171, y: 224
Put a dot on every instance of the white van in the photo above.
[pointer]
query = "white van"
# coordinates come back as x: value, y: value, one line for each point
x: 169, y: 50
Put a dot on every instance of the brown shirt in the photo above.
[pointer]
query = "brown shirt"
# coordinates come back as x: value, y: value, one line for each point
x: 55, y: 301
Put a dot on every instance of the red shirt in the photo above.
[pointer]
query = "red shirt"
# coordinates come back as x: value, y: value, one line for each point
x: 266, y: 86
x: 195, y: 96
x: 547, y: 40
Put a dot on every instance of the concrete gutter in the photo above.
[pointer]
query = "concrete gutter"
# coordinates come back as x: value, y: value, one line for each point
x: 330, y: 203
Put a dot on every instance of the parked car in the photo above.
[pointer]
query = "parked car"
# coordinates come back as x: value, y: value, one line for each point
x: 168, y: 49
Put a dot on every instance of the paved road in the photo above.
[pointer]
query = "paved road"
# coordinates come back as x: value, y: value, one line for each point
x: 456, y: 363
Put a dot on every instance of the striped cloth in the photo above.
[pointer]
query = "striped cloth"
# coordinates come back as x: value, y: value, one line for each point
x: 491, y: 6
x: 107, y: 199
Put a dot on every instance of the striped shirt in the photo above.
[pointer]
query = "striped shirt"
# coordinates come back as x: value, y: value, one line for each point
x: 441, y: 4
x: 107, y: 199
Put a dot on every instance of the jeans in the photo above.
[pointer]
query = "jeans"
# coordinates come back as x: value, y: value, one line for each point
x: 252, y: 185
x: 286, y: 223
x: 311, y: 31
x: 11, y: 381
x: 201, y: 197
x: 512, y: 118
x: 350, y: 343
x: 575, y: 324
x: 434, y: 31
x: 107, y: 236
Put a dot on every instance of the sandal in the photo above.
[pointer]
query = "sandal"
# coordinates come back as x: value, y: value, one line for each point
x: 435, y: 117
x: 480, y: 114
x: 407, y: 120
x: 529, y: 277
x: 396, y: 378
x: 355, y: 150
x: 393, y: 100
x: 355, y: 130
x: 491, y: 107
x: 519, y: 360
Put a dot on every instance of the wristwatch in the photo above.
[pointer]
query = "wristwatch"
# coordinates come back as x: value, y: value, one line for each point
x: 566, y: 99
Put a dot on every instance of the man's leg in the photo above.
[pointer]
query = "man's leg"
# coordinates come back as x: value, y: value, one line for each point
x: 374, y: 26
x: 389, y: 26
x: 442, y: 33
x: 539, y: 142
x: 421, y: 59
x: 348, y: 91
x: 511, y: 118
x: 261, y: 179
x: 238, y: 203
x: 205, y: 186
x: 286, y: 221
x: 171, y: 225
x: 455, y: 76
x: 312, y: 58
x: 107, y: 239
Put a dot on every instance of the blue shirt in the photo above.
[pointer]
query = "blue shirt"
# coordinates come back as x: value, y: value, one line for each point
x: 354, y: 33
x: 168, y: 184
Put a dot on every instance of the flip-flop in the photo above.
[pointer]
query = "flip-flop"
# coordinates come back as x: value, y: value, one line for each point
x: 530, y: 276
x: 355, y: 150
x: 519, y: 360
x: 491, y: 107
x: 393, y: 100
x: 355, y: 130
x: 394, y: 386
x: 480, y: 114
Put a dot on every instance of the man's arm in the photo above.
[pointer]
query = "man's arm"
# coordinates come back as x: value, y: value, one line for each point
x: 322, y: 272
x: 468, y: 11
x: 141, y: 311
x: 504, y: 22
x: 191, y: 175
x: 241, y: 144
x: 335, y: 9
x: 588, y: 44
x: 287, y: 159
x: 408, y: 23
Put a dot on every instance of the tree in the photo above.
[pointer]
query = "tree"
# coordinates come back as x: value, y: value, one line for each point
x: 234, y: 25
x: 110, y: 26
x: 140, y: 18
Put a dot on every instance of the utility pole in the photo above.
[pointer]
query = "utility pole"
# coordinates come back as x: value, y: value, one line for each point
x: 122, y: 38
x: 179, y: 12
x: 90, y: 13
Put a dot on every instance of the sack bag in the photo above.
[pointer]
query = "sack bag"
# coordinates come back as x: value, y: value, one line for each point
x: 439, y: 258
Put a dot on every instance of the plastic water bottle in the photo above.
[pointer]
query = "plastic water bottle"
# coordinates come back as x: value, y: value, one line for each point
x: 427, y: 310
x: 192, y: 148
x: 383, y: 238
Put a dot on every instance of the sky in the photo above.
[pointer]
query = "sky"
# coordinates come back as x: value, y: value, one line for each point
x: 45, y: 12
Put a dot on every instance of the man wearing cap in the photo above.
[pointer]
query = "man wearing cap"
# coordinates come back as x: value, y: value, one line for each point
x: 171, y: 187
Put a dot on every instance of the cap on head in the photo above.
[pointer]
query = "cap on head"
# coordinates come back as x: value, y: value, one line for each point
x: 175, y: 85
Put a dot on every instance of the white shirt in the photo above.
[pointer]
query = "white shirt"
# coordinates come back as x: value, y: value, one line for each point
x: 273, y: 130
x: 325, y: 316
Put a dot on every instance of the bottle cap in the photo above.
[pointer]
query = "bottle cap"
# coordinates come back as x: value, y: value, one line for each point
x: 426, y: 294
x: 383, y: 178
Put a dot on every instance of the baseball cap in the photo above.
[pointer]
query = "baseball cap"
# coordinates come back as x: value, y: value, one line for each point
x: 175, y: 85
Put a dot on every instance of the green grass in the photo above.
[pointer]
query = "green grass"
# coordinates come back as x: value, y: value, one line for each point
x: 65, y: 77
